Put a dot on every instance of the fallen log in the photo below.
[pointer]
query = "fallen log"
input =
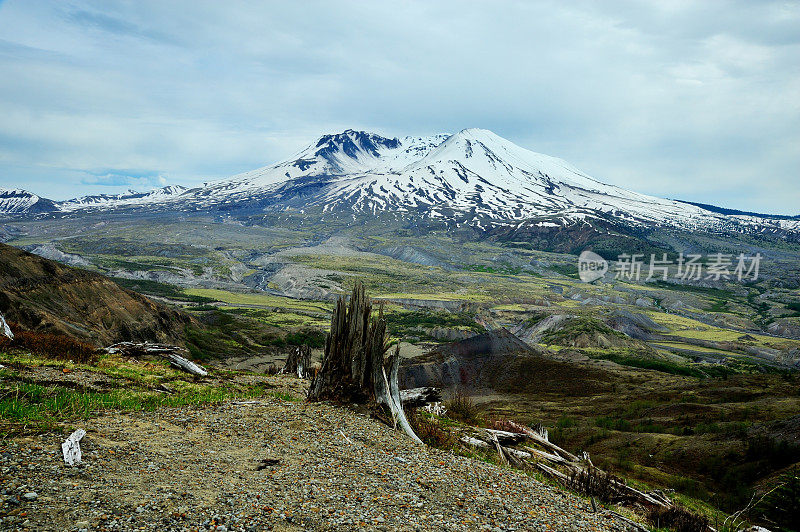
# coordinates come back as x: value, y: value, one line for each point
x: 550, y: 457
x: 419, y: 397
x: 135, y: 349
x: 186, y: 365
x: 168, y: 352
x: 555, y: 473
x: 540, y: 437
x: 507, y: 438
x: 480, y: 444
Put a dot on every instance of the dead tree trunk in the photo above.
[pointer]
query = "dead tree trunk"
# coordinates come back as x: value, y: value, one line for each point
x: 298, y: 362
x: 168, y: 352
x: 354, y: 366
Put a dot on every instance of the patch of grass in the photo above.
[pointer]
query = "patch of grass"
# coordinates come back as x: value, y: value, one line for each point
x: 262, y: 300
x: 282, y: 317
x: 568, y: 270
x: 415, y: 322
x: 154, y: 288
x: 720, y: 305
x: 32, y: 407
x: 285, y: 396
x: 227, y: 334
x: 461, y: 407
x: 565, y: 422
x: 505, y: 269
x: 664, y: 366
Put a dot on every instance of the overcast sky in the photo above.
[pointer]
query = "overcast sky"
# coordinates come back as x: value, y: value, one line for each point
x: 687, y: 100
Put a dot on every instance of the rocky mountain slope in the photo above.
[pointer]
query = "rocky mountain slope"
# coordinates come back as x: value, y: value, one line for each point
x: 269, y: 464
x: 42, y: 295
x: 19, y: 201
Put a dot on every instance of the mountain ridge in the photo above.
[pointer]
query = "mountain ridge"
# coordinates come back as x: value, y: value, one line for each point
x: 472, y: 177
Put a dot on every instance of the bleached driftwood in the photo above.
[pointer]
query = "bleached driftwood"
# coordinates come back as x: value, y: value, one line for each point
x: 572, y: 467
x: 555, y: 473
x: 187, y: 365
x: 550, y: 457
x: 541, y: 439
x: 5, y: 330
x: 475, y: 442
x: 507, y: 438
x: 419, y: 397
x: 71, y: 448
x: 135, y: 349
x: 168, y: 352
x: 437, y: 409
x: 388, y: 393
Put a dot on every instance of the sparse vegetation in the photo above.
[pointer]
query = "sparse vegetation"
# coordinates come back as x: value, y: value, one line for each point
x: 58, y: 346
x: 677, y: 519
x: 27, y: 405
x: 154, y: 288
x: 461, y: 407
x: 430, y: 429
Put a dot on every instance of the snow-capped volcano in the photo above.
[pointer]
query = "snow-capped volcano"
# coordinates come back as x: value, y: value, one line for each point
x: 21, y: 201
x: 471, y: 177
x: 342, y: 154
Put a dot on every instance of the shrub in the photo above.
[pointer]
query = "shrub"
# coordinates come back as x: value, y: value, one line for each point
x: 430, y: 430
x: 462, y: 408
x: 565, y: 422
x: 57, y: 346
x: 678, y: 519
x: 500, y: 423
x: 596, y: 483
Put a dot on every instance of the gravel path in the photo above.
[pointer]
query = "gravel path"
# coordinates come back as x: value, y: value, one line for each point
x: 202, y: 468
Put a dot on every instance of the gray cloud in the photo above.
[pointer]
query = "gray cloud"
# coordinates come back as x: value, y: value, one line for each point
x: 685, y: 100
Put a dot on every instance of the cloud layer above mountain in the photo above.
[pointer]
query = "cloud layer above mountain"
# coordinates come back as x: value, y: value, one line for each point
x: 695, y: 101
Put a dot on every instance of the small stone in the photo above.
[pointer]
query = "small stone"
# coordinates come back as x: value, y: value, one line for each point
x: 31, y: 496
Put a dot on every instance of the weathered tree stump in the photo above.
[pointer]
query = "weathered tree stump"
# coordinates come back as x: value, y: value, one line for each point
x: 298, y: 362
x: 355, y: 368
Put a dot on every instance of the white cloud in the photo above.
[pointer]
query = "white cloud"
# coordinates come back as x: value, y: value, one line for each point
x: 683, y: 99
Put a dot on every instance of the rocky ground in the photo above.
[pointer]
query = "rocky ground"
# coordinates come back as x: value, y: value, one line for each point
x: 273, y: 464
